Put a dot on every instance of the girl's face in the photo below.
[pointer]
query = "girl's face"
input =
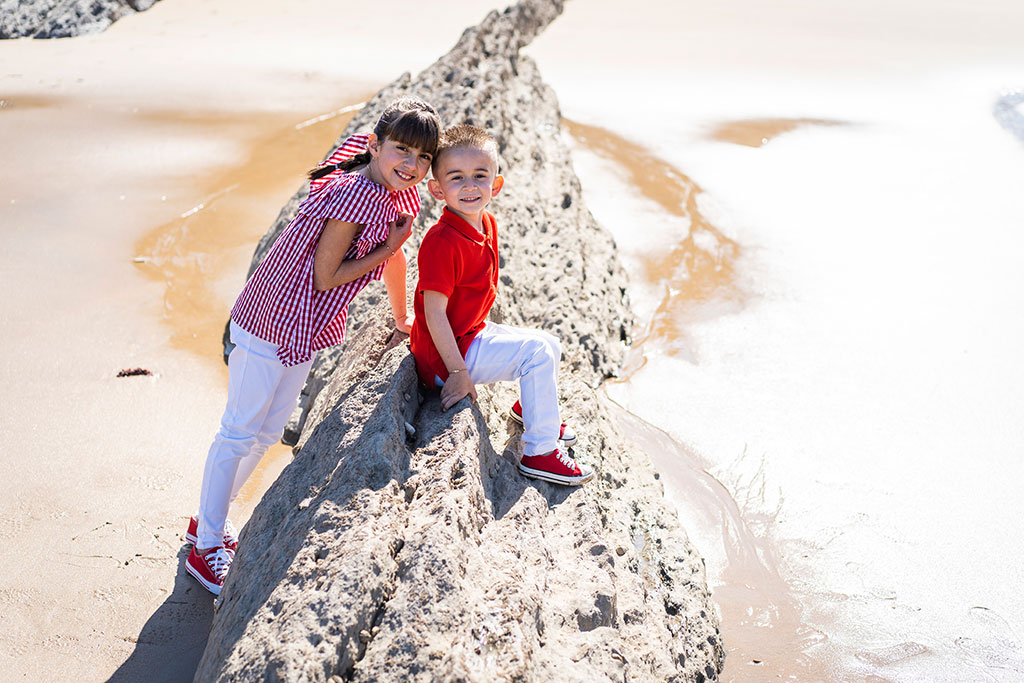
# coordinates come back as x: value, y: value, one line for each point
x: 396, y: 165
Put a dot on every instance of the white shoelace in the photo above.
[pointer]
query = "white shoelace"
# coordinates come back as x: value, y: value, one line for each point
x: 230, y: 534
x: 219, y: 561
x: 565, y: 459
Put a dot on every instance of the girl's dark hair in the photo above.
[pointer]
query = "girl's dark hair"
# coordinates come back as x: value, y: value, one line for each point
x: 408, y: 120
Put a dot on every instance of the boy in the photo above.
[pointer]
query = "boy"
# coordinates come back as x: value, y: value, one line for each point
x: 453, y: 345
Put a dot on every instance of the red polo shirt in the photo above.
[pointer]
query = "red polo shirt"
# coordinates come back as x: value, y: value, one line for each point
x: 457, y: 261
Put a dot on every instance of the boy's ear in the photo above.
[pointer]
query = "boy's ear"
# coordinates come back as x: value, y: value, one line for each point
x: 434, y: 188
x: 499, y: 182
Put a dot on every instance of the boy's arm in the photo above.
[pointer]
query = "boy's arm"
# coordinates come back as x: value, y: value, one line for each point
x: 330, y: 269
x: 459, y: 385
x: 394, y: 282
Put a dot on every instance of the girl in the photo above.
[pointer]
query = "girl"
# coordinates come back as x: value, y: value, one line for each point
x: 349, y: 230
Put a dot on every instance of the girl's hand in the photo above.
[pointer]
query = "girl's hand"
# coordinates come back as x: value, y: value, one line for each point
x: 458, y: 386
x: 404, y: 324
x: 399, y: 231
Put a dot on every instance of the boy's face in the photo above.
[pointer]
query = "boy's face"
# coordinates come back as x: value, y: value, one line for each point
x: 466, y: 179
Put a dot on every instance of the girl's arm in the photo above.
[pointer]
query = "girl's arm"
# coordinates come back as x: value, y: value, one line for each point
x: 330, y: 269
x: 394, y: 282
x: 459, y: 385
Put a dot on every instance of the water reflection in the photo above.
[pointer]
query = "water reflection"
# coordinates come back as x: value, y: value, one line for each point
x: 759, y: 132
x: 697, y: 275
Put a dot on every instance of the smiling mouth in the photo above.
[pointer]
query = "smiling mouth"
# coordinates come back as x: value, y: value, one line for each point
x: 404, y: 176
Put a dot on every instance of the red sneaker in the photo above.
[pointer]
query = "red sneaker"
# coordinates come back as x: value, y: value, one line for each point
x: 556, y: 467
x: 565, y: 434
x: 211, y: 568
x: 230, y: 535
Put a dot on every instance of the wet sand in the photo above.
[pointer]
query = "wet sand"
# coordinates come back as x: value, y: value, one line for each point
x: 841, y: 387
x: 761, y: 619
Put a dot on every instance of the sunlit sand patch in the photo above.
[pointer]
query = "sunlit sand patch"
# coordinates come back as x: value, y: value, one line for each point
x: 698, y: 271
x: 234, y: 206
x: 212, y: 242
x: 759, y: 132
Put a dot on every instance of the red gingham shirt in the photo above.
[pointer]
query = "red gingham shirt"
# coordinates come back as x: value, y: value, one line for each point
x: 278, y: 304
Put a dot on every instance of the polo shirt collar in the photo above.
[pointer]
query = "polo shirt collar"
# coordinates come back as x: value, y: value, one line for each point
x: 453, y: 220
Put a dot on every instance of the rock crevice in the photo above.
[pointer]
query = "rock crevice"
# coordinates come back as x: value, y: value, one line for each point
x: 402, y: 543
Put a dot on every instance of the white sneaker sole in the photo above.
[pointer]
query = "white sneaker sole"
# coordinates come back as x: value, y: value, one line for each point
x: 565, y: 442
x: 555, y: 478
x: 208, y: 585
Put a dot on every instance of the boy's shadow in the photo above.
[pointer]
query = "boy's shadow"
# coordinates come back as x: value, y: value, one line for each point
x: 503, y: 484
x: 172, y: 641
x: 508, y: 484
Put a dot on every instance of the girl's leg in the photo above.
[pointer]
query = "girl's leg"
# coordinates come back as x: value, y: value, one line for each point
x: 504, y: 352
x: 281, y: 407
x: 254, y: 373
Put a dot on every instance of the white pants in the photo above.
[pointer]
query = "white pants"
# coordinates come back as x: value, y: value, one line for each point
x: 262, y: 394
x: 502, y: 353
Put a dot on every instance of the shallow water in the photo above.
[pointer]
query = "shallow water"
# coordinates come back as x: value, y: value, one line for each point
x: 845, y: 367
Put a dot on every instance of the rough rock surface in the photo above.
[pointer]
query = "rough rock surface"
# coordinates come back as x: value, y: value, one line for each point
x: 63, y: 18
x: 401, y: 543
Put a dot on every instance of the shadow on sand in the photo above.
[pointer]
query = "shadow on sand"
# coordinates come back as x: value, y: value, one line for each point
x: 172, y: 641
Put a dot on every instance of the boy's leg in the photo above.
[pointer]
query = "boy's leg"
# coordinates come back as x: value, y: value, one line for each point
x: 503, y: 352
x: 281, y: 408
x: 254, y: 372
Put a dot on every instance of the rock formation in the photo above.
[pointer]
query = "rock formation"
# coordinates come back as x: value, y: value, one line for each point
x: 401, y: 543
x: 63, y: 18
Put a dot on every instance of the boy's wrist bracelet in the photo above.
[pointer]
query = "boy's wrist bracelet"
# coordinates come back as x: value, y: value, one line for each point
x: 452, y: 372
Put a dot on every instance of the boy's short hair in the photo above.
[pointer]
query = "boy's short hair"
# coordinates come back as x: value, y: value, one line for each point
x: 465, y: 135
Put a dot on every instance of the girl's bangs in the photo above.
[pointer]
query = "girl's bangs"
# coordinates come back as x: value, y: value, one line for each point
x: 416, y: 129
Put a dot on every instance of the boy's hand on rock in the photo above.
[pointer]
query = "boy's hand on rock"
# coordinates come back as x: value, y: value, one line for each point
x: 458, y: 386
x: 399, y: 231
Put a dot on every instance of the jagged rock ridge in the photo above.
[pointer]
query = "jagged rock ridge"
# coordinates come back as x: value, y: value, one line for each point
x: 63, y: 18
x: 401, y: 543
